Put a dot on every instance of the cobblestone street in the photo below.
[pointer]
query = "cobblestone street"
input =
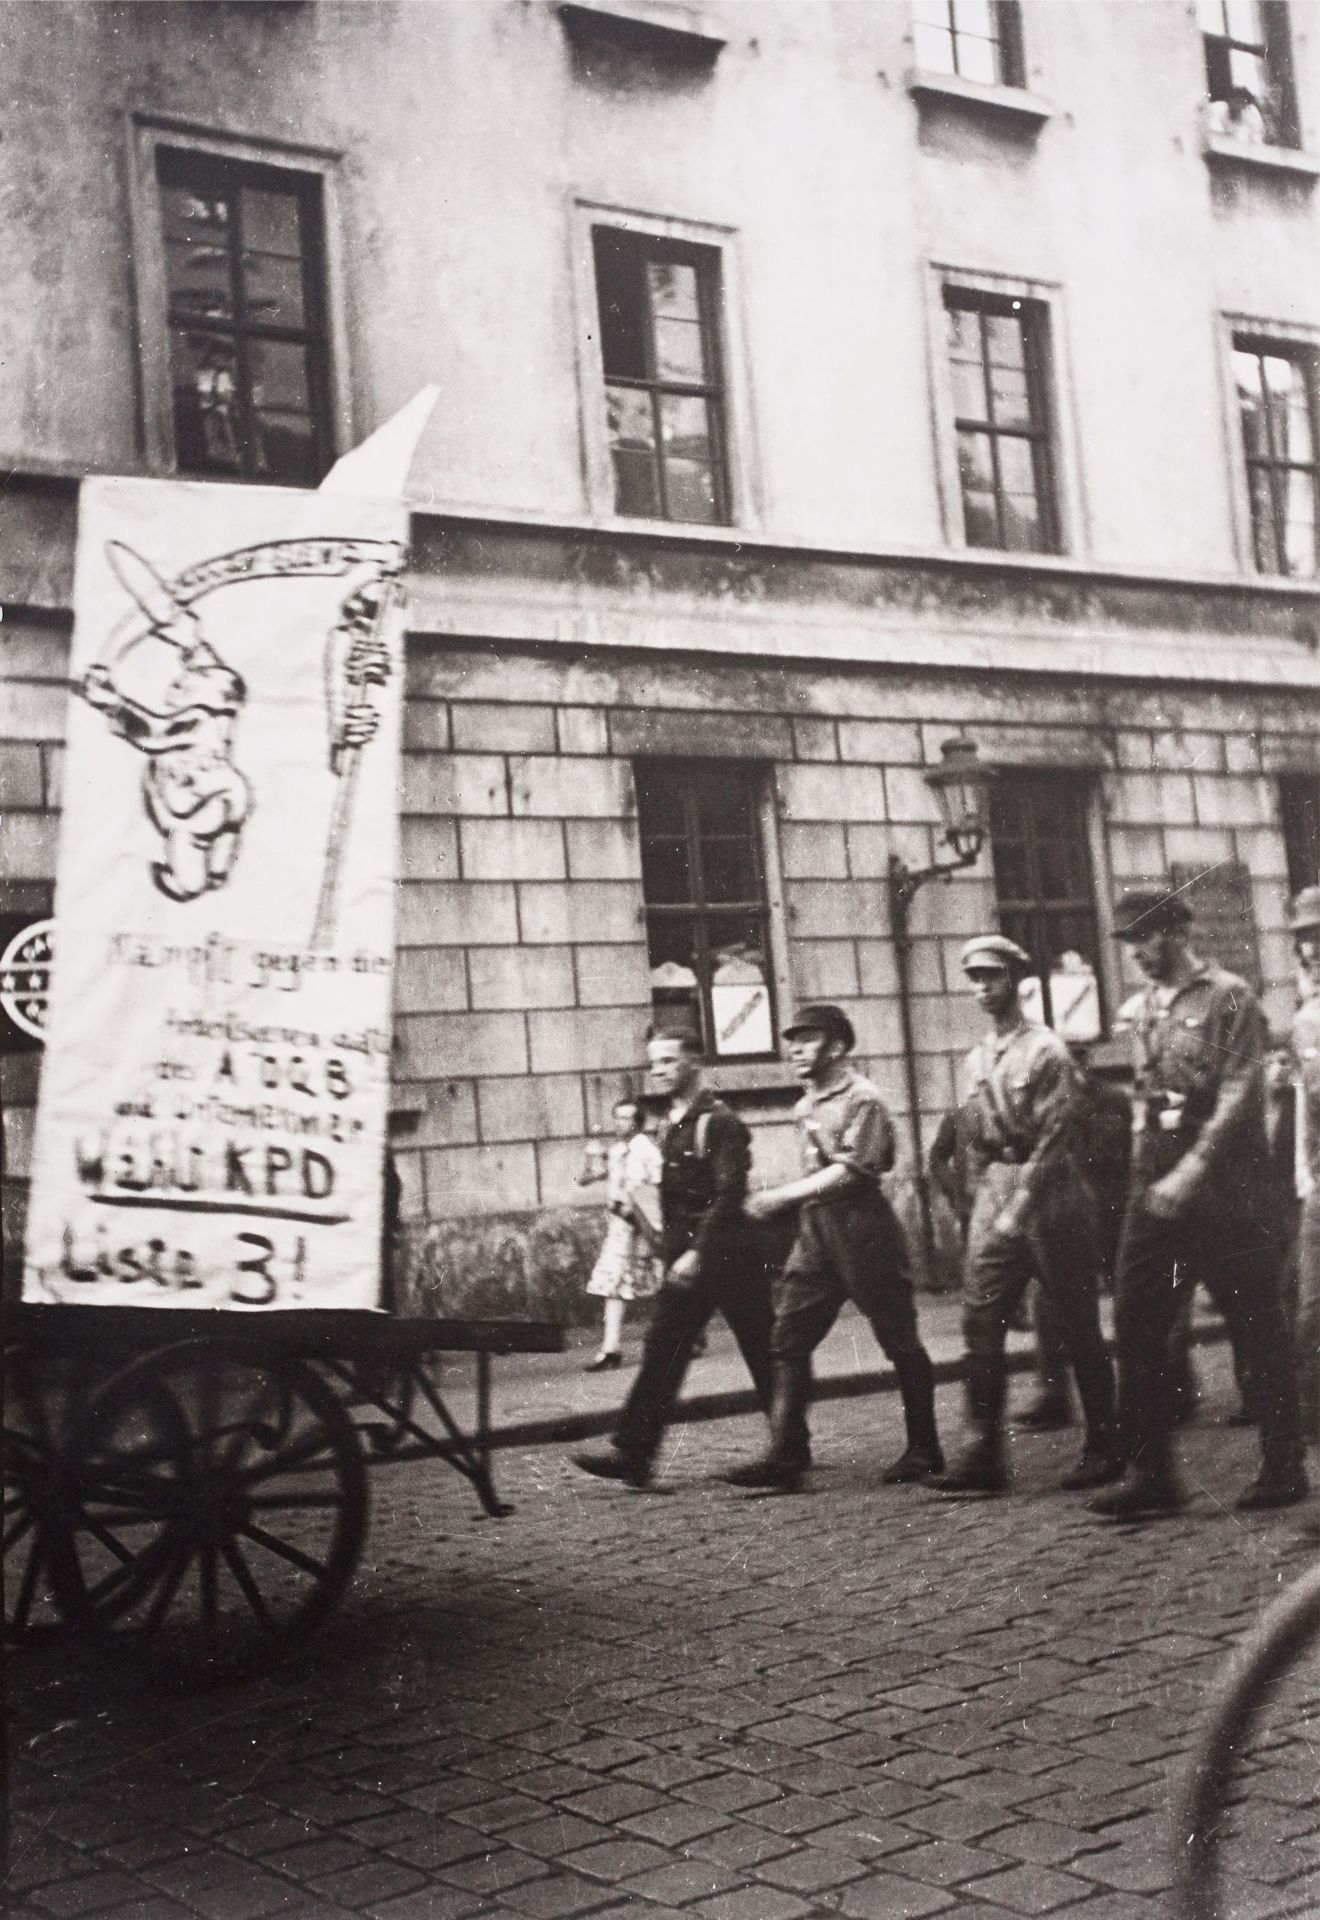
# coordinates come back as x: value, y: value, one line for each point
x: 867, y: 1701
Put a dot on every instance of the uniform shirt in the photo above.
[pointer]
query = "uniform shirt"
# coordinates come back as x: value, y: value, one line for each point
x: 703, y: 1178
x: 1023, y: 1092
x: 1204, y: 1043
x: 1306, y: 1046
x: 847, y: 1125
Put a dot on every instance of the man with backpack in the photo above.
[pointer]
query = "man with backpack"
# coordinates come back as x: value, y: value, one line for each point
x: 712, y: 1255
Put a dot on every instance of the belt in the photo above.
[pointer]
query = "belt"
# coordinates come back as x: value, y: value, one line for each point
x: 1009, y: 1157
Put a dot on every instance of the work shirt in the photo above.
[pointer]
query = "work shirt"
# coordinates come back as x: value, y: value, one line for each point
x: 847, y: 1125
x: 1022, y: 1106
x: 1306, y: 1047
x: 1198, y: 1054
x: 703, y: 1179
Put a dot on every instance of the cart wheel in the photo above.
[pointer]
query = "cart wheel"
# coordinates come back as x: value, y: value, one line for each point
x: 221, y: 1504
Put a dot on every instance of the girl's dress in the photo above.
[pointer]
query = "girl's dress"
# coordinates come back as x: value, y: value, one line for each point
x: 627, y: 1269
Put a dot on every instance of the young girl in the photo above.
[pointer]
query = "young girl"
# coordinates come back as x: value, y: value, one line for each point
x: 629, y: 1267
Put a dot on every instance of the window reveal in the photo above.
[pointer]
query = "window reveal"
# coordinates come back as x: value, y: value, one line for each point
x: 976, y: 39
x: 1277, y: 407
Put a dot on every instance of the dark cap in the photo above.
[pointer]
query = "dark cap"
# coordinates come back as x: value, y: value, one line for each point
x: 1142, y: 911
x: 997, y: 951
x: 1305, y: 912
x: 818, y: 1016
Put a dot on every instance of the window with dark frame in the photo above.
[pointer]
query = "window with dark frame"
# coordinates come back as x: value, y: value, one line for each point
x: 1045, y: 889
x: 664, y: 393
x: 1299, y: 816
x: 707, y: 912
x: 997, y: 361
x: 1248, y: 71
x: 1280, y: 417
x: 249, y: 357
x: 978, y: 40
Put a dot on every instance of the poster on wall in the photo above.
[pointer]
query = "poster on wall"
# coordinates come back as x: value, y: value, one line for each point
x: 215, y: 1093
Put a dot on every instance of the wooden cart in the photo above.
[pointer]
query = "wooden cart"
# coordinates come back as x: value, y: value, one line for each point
x: 193, y: 1485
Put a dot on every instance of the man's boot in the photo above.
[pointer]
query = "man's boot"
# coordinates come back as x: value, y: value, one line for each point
x: 1149, y: 1487
x: 923, y: 1455
x: 1048, y: 1413
x: 979, y: 1469
x: 1101, y: 1463
x: 781, y: 1469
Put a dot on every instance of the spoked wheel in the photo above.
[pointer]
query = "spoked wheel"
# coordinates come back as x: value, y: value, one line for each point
x: 37, y: 1406
x: 221, y: 1506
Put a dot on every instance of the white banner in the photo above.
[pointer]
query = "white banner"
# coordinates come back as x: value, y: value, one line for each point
x: 216, y: 1083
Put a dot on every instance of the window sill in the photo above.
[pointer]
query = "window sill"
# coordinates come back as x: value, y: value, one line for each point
x: 1014, y: 105
x: 1291, y: 162
x: 656, y: 28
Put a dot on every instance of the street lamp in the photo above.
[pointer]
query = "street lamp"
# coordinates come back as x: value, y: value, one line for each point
x: 961, y: 787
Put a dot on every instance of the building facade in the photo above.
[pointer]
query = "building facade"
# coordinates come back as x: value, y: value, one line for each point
x: 819, y: 380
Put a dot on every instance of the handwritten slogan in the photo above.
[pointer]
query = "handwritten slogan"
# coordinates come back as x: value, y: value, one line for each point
x: 215, y: 1090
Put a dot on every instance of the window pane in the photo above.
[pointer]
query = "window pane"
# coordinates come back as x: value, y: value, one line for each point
x: 980, y: 519
x: 1012, y: 880
x: 1011, y: 398
x: 1016, y: 471
x: 728, y: 868
x: 1247, y: 374
x: 975, y: 462
x: 679, y: 350
x: 282, y: 433
x: 689, y: 458
x: 628, y: 424
x: 723, y: 797
x: 933, y: 48
x: 197, y: 253
x: 968, y: 389
x: 666, y: 873
x: 978, y: 59
x: 1242, y: 18
x: 1300, y: 524
x: 659, y: 797
x: 974, y: 16
x: 1262, y: 520
x: 272, y: 289
x: 621, y: 297
x: 671, y: 949
x: 1004, y: 340
x: 673, y: 285
x: 270, y: 222
x: 204, y: 370
x: 1290, y: 411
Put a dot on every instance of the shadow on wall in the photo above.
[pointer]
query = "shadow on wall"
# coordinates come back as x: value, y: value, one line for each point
x: 536, y: 1266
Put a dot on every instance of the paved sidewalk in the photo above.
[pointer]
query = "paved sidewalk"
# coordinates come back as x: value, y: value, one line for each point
x: 867, y: 1702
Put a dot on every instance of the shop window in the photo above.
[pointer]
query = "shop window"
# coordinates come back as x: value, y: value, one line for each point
x: 1248, y: 71
x: 244, y: 288
x: 1299, y: 814
x: 997, y: 364
x: 707, y: 911
x: 658, y: 302
x: 978, y: 40
x: 1277, y: 407
x: 1045, y: 888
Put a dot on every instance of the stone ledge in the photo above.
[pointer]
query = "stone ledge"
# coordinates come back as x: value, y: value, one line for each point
x: 1287, y: 162
x: 1015, y: 106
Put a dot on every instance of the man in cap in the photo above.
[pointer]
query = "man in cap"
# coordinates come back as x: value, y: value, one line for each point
x: 1197, y: 1207
x: 713, y: 1261
x: 849, y: 1246
x: 1033, y: 1214
x: 1305, y: 923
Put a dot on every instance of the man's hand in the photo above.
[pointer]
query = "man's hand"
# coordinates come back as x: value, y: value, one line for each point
x: 685, y: 1269
x: 1305, y: 1184
x: 761, y: 1206
x: 1006, y: 1224
x: 1171, y: 1196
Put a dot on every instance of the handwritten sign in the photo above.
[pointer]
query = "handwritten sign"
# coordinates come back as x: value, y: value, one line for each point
x: 214, y: 1098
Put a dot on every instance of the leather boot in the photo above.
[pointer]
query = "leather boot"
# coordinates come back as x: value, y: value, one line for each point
x: 979, y: 1469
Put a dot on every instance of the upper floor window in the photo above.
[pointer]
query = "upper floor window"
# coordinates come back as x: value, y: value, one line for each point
x: 1277, y: 405
x: 996, y: 346
x: 1248, y: 71
x: 248, y: 354
x: 658, y: 301
x: 707, y: 911
x: 976, y: 39
x: 1045, y: 890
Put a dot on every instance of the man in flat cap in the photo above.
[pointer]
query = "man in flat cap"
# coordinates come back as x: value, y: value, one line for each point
x: 849, y: 1246
x: 1197, y: 1208
x: 1305, y: 924
x: 1033, y: 1214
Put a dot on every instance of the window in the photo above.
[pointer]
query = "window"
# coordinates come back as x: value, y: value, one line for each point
x: 707, y: 915
x: 1299, y: 812
x: 664, y: 398
x: 1276, y: 390
x: 1045, y: 888
x: 244, y: 283
x: 1248, y: 71
x: 996, y: 346
x: 976, y: 39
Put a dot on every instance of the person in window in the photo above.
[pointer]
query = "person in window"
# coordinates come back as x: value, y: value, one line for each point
x: 629, y: 1266
x: 712, y: 1255
x: 849, y: 1246
x: 1198, y: 1205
